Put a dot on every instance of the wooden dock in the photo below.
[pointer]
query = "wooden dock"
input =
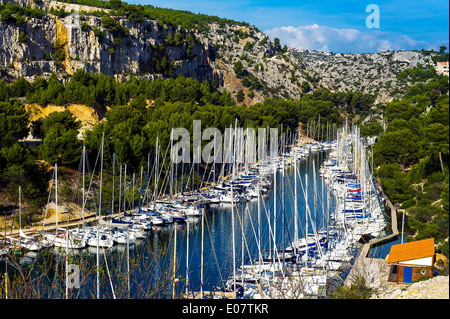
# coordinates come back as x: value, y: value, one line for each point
x: 61, y: 224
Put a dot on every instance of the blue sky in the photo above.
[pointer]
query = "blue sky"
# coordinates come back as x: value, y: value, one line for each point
x: 337, y: 26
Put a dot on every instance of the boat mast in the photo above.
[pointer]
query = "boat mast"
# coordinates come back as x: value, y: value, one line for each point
x: 259, y: 225
x: 156, y: 172
x: 275, y: 167
x: 201, y: 261
x: 125, y: 189
x: 56, y: 197
x: 99, y: 219
x: 20, y: 209
x: 306, y: 216
x: 232, y: 218
x: 171, y: 164
x: 174, y: 260
x: 295, y: 206
x: 114, y: 166
x: 282, y: 205
x: 187, y: 259
x: 84, y: 173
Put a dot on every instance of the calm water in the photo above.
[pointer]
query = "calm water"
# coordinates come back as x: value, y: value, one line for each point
x: 151, y: 260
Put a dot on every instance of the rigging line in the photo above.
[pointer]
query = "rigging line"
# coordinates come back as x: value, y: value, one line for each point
x: 48, y: 200
x: 160, y: 171
x: 213, y: 250
x: 146, y: 182
x: 191, y: 174
x: 284, y: 210
x: 198, y: 271
x: 248, y: 251
x: 254, y: 234
x: 109, y: 275
x: 90, y: 183
x: 185, y: 253
x: 275, y: 249
x: 312, y: 223
x: 152, y: 172
x: 185, y: 176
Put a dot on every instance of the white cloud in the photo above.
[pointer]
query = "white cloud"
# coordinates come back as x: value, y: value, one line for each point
x: 324, y: 38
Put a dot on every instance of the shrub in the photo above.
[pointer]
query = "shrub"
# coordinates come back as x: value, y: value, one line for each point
x: 357, y: 290
x: 408, y: 203
x: 23, y: 37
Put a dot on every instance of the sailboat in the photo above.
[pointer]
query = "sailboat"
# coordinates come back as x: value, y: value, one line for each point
x: 26, y: 243
x: 99, y: 236
x: 65, y: 239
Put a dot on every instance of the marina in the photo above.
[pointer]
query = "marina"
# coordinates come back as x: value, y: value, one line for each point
x: 287, y: 227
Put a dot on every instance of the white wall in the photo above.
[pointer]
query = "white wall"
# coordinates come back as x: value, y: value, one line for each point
x: 427, y: 261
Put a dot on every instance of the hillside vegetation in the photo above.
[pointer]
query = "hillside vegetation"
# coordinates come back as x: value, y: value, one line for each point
x: 144, y: 70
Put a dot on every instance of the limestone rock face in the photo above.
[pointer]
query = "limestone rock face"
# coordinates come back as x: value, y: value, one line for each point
x: 143, y: 49
x: 84, y: 43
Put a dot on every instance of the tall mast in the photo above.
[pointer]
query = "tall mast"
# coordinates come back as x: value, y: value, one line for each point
x: 125, y: 190
x: 187, y: 259
x: 259, y: 226
x: 174, y: 260
x: 232, y: 219
x: 56, y: 196
x: 306, y: 215
x: 84, y: 183
x: 156, y: 172
x: 114, y: 166
x: 295, y: 206
x: 201, y: 261
x: 282, y: 208
x: 20, y: 209
x: 99, y: 219
x: 275, y: 167
x: 171, y: 164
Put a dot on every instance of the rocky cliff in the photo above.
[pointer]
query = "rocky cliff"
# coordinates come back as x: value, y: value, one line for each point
x: 81, y: 40
x: 236, y: 57
x: 88, y: 45
x: 373, y: 73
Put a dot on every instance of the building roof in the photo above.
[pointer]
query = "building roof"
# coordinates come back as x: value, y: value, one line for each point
x: 412, y: 250
x: 443, y: 63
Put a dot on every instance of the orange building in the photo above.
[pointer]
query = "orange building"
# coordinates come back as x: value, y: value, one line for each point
x: 413, y: 260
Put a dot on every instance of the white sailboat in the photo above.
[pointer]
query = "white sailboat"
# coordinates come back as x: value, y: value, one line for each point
x: 65, y: 239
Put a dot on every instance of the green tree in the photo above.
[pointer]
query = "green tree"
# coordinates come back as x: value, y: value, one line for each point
x: 371, y: 129
x: 23, y: 37
x: 4, y: 91
x: 110, y: 24
x: 277, y: 44
x: 238, y: 68
x: 305, y: 87
x: 13, y: 123
x: 240, y: 96
x: 397, y: 147
x: 178, y: 39
x: 62, y: 145
x: 60, y: 121
x: 17, y: 154
x: 115, y: 4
